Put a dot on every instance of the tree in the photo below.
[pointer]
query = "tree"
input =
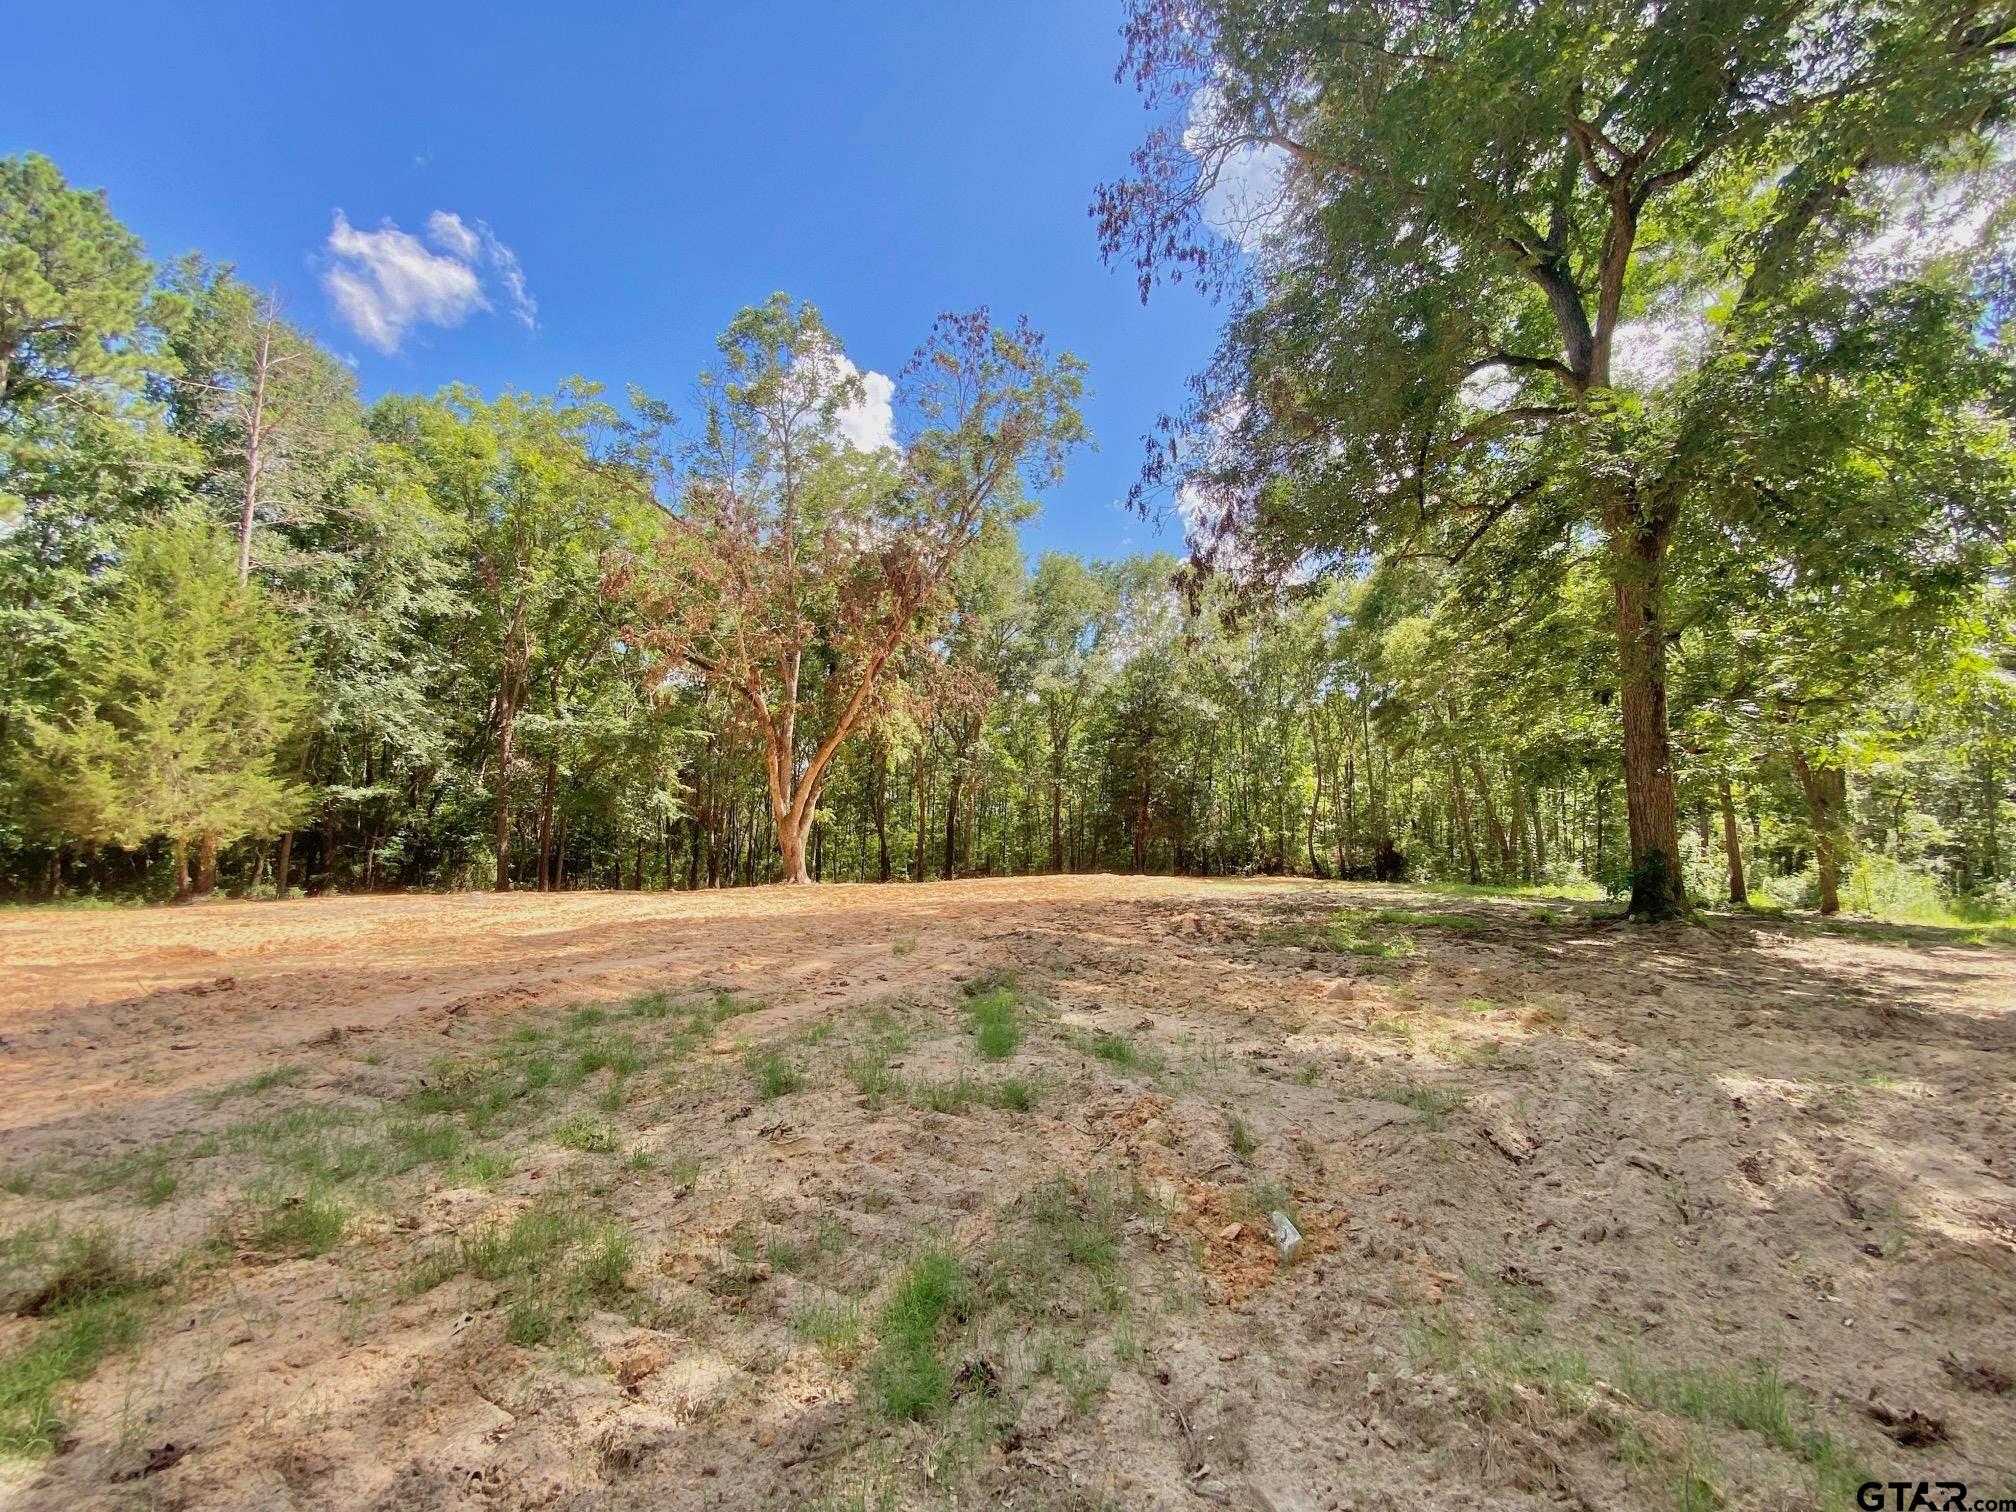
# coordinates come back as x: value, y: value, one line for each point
x: 797, y: 572
x: 72, y: 285
x: 1480, y: 212
x: 186, y: 688
x: 1069, y: 610
x: 77, y: 464
x: 275, y: 417
x: 539, y: 514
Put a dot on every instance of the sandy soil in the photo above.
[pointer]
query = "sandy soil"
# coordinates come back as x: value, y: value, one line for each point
x: 1593, y: 1215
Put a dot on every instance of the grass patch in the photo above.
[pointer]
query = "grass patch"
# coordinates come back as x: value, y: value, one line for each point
x: 1433, y: 1104
x: 589, y: 1135
x: 997, y: 1029
x: 551, y: 1265
x: 908, y: 1375
x: 1065, y: 1255
x: 1342, y: 934
x: 263, y: 1081
x: 774, y: 1073
x: 1240, y: 1137
x: 834, y: 1326
x: 1116, y: 1050
x: 1010, y: 1094
x: 1750, y: 1398
x: 483, y: 1168
x: 92, y: 1305
x: 872, y: 1075
x: 300, y: 1223
x: 1408, y: 916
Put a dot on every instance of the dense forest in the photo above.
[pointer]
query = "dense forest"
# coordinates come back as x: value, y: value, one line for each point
x: 1626, y: 505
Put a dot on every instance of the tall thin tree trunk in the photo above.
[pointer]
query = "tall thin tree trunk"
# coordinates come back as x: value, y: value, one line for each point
x: 546, y: 822
x: 1826, y: 790
x: 878, y: 802
x: 255, y: 439
x: 1463, y: 826
x: 1732, y: 844
x: 1316, y: 799
x: 1638, y: 539
x: 951, y: 822
x: 505, y: 724
x: 1056, y: 807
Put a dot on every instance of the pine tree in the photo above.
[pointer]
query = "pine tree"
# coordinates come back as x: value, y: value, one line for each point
x: 186, y: 685
x: 72, y: 283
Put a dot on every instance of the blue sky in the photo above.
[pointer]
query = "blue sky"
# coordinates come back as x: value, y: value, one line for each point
x: 650, y: 168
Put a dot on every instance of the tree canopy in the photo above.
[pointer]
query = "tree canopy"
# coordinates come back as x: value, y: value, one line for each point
x: 1604, y: 480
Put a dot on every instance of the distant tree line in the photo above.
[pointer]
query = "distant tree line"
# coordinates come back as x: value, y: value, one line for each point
x: 259, y: 637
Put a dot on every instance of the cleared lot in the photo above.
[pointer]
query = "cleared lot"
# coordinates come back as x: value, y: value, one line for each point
x: 965, y: 1192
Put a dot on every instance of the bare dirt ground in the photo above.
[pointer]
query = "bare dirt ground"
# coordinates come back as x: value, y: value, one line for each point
x: 751, y: 1199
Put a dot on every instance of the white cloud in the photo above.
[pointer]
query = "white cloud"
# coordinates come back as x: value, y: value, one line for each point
x: 387, y: 281
x: 869, y: 422
x: 446, y: 231
x: 1246, y: 200
x: 504, y: 262
x: 384, y: 282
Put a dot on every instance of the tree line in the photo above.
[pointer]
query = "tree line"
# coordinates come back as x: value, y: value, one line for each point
x: 1466, y: 598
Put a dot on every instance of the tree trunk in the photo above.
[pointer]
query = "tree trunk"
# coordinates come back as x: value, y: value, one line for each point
x: 878, y: 794
x: 206, y: 865
x: 181, y: 850
x: 791, y: 850
x: 546, y: 823
x: 1826, y: 790
x: 1316, y: 799
x: 504, y: 725
x: 1638, y: 575
x: 1056, y: 808
x: 255, y: 437
x: 1492, y: 823
x: 283, y: 865
x: 951, y: 822
x: 1732, y: 843
x: 1463, y: 827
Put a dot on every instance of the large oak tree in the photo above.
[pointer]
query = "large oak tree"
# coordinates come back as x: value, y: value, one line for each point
x: 1474, y: 211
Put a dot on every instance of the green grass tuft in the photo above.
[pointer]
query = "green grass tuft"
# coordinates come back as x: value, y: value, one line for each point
x: 995, y: 1008
x: 908, y: 1375
x: 775, y: 1075
x: 589, y: 1135
x: 1433, y: 1104
x: 301, y: 1223
x: 93, y: 1306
